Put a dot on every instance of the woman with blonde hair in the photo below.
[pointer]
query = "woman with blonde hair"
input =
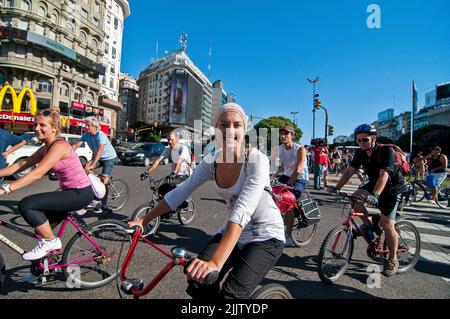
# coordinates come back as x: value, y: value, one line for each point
x: 252, y: 237
x: 42, y: 210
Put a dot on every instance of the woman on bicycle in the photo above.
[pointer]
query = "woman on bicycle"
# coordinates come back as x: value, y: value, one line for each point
x: 42, y: 210
x: 437, y: 169
x: 252, y: 238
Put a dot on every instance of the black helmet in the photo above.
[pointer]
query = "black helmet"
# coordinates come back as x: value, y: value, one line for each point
x: 366, y: 128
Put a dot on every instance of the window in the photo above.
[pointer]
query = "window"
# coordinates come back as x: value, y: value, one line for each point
x: 83, y: 36
x: 72, y: 4
x: 108, y: 19
x: 116, y: 23
x: 20, y: 51
x: 2, y: 78
x: 90, y: 98
x: 113, y: 69
x: 9, y: 3
x: 54, y: 18
x: 25, y: 5
x: 97, y: 7
x: 84, y: 13
x: 113, y: 52
x: 111, y: 83
x: 96, y: 22
x: 106, y: 47
x: 78, y: 96
x: 44, y: 85
x: 70, y: 27
x: 41, y: 11
x: 64, y: 90
x: 94, y: 43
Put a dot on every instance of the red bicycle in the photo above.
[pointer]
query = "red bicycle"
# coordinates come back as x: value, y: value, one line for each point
x: 137, y: 287
x: 337, y: 248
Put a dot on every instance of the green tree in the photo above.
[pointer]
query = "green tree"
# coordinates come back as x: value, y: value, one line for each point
x: 276, y: 122
x: 151, y: 137
x: 426, y: 137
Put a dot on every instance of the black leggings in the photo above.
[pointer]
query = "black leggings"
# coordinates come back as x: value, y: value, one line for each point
x: 53, y: 206
x: 248, y: 265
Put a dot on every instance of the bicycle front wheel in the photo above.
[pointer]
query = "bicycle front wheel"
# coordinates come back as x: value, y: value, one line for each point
x: 335, y: 254
x: 443, y: 197
x: 91, y: 267
x: 271, y: 291
x: 186, y: 215
x: 141, y: 211
x: 408, y: 250
x: 118, y: 193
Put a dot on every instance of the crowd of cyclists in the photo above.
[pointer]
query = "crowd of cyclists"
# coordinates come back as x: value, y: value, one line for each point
x: 254, y: 233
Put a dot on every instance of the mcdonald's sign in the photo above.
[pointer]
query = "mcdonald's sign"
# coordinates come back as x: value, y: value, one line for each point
x: 17, y: 100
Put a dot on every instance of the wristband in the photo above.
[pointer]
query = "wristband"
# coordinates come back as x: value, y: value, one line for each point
x: 6, y: 188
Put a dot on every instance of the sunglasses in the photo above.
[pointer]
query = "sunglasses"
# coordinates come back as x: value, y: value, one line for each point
x: 46, y: 112
x: 365, y: 139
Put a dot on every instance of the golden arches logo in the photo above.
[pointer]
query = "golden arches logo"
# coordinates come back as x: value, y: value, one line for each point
x: 17, y: 100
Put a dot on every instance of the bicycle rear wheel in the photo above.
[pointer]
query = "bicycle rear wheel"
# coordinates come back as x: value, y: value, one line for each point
x: 335, y: 254
x: 187, y: 215
x: 118, y: 193
x: 443, y: 197
x: 302, y: 234
x: 419, y: 192
x: 408, y: 250
x: 141, y: 211
x: 110, y: 235
x: 271, y: 291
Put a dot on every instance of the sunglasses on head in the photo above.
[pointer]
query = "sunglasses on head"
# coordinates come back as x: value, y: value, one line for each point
x: 46, y: 112
x: 364, y: 139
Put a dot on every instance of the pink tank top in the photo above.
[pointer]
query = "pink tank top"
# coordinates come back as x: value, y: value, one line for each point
x: 70, y: 172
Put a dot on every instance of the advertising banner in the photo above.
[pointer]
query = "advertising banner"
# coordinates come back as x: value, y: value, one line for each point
x: 78, y: 105
x: 178, y: 98
x: 19, y: 118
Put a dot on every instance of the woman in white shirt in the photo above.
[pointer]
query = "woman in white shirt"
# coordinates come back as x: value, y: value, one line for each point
x: 252, y: 238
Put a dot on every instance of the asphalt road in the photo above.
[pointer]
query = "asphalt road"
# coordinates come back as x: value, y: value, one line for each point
x: 296, y: 269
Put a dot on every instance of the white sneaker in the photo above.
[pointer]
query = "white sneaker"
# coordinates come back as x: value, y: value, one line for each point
x: 42, y: 249
x: 289, y: 242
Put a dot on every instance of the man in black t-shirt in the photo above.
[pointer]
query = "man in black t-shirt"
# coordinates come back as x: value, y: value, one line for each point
x: 383, y: 189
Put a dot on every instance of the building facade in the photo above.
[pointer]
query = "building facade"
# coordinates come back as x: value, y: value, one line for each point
x: 173, y: 93
x: 219, y: 98
x: 55, y: 48
x: 128, y: 96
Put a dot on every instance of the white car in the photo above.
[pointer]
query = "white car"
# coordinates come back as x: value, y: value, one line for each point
x: 83, y: 152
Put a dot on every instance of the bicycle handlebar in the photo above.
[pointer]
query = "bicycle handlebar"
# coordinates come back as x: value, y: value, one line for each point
x: 210, y: 277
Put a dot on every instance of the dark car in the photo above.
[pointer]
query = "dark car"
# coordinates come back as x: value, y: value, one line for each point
x: 122, y: 148
x: 142, y: 154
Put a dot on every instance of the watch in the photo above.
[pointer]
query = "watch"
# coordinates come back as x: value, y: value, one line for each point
x: 6, y: 188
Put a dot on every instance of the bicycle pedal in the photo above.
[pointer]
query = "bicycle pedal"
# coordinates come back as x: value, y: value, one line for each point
x: 128, y: 284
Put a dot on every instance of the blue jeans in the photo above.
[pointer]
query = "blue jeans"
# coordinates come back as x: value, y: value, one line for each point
x: 318, y: 171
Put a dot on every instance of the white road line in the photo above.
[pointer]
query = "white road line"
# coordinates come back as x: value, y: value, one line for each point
x: 435, y: 256
x: 433, y: 226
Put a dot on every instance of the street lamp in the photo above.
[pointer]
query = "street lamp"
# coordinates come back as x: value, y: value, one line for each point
x: 293, y: 113
x: 314, y: 97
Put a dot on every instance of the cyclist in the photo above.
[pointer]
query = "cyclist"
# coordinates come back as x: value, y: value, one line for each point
x: 293, y: 170
x: 104, y: 154
x: 43, y: 210
x: 383, y: 189
x: 437, y: 169
x: 251, y: 241
x: 7, y: 139
x: 178, y: 153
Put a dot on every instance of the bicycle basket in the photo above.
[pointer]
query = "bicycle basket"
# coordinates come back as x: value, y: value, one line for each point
x: 310, y: 211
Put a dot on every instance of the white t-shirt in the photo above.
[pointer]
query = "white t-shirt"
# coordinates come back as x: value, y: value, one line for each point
x: 248, y: 203
x: 175, y: 154
x: 289, y: 161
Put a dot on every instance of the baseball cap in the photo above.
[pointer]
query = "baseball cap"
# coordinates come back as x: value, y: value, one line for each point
x: 288, y: 128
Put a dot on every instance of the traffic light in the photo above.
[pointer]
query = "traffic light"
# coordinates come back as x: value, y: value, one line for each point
x: 317, y: 103
x: 252, y: 118
x: 330, y: 130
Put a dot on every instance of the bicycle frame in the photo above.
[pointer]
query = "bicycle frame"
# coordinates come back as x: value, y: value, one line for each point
x: 53, y: 266
x: 174, y: 261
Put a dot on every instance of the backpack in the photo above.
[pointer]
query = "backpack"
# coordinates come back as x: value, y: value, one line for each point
x: 401, y: 159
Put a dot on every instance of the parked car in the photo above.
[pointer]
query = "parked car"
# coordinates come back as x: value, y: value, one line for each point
x: 142, y: 154
x: 33, y: 144
x: 123, y: 147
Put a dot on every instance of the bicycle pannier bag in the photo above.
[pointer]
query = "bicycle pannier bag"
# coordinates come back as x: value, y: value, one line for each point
x: 310, y: 211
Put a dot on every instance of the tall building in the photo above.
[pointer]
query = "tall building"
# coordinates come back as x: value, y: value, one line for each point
x: 128, y: 96
x: 54, y: 48
x: 219, y: 98
x: 437, y: 107
x: 386, y: 115
x: 173, y: 93
x: 116, y: 11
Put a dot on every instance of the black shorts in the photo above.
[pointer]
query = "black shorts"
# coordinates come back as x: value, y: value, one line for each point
x: 387, y: 202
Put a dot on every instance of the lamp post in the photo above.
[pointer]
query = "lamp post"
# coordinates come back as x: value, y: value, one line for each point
x: 293, y: 113
x: 314, y: 96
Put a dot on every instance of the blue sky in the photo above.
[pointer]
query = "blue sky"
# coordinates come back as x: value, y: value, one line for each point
x: 265, y: 50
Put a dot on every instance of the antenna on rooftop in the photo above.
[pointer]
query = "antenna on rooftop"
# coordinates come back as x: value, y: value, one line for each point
x: 209, y: 59
x: 183, y: 41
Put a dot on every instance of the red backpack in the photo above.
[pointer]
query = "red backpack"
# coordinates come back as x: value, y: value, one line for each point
x: 401, y: 160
